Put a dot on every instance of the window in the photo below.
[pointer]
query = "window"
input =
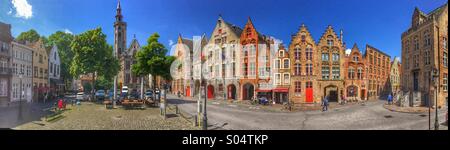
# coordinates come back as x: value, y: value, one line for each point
x: 427, y: 39
x: 277, y: 64
x: 277, y: 79
x: 297, y: 68
x: 336, y: 72
x: 444, y: 43
x: 325, y: 72
x: 330, y: 42
x: 309, y: 85
x: 355, y: 58
x: 445, y: 59
x: 335, y: 57
x: 281, y: 53
x: 445, y: 84
x: 303, y: 37
x: 223, y: 70
x: 351, y: 73
x: 51, y: 67
x: 416, y: 60
x: 234, y: 69
x: 286, y: 63
x: 309, y: 69
x: 287, y: 79
x: 360, y: 73
x: 427, y: 57
x: 416, y: 43
x: 252, y: 69
x: 309, y: 53
x: 325, y: 57
x: 297, y: 53
x: 298, y: 87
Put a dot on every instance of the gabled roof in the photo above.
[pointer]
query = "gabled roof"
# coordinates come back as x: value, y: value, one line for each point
x: 188, y: 42
x: 233, y: 28
x: 327, y: 31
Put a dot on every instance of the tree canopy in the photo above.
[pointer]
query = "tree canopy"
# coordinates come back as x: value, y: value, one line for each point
x: 31, y: 36
x: 152, y: 59
x: 92, y: 54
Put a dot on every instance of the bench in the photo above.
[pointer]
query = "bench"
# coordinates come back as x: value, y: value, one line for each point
x: 133, y: 103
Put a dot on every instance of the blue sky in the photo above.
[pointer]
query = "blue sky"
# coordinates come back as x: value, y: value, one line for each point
x: 375, y: 22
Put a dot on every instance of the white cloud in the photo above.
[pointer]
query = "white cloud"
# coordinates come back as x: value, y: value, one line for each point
x: 68, y: 31
x: 23, y: 9
x: 10, y: 12
x: 171, y: 42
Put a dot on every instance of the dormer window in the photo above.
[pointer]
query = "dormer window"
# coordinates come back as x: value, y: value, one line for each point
x: 281, y: 53
x: 355, y: 58
x: 330, y: 42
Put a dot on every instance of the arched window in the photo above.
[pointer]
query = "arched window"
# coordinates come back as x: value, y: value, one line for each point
x: 325, y: 56
x: 286, y: 63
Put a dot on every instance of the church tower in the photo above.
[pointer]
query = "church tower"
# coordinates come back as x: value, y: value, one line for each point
x: 120, y: 33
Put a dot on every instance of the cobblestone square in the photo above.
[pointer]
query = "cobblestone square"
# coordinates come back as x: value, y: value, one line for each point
x: 90, y: 116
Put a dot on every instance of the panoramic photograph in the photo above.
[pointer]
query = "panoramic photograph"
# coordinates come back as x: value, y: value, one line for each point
x: 223, y: 65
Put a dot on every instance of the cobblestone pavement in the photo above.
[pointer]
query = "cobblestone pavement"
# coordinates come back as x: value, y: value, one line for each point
x: 89, y: 116
x: 10, y: 115
x: 368, y: 116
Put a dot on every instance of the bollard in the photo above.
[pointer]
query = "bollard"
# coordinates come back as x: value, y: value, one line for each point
x: 176, y: 110
x: 195, y: 121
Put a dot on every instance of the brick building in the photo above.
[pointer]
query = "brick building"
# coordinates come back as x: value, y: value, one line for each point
x: 282, y: 76
x: 424, y: 49
x: 355, y: 76
x: 304, y: 57
x: 378, y: 65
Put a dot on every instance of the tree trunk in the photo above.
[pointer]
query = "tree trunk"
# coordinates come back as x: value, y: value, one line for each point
x: 142, y: 87
x: 93, y: 87
x: 154, y: 81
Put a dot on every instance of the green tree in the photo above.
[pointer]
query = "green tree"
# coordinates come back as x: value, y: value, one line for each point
x: 151, y: 59
x: 92, y: 54
x: 31, y: 36
x: 63, y: 40
x: 103, y: 83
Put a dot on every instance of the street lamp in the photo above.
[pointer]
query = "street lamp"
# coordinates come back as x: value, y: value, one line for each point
x: 20, y: 96
x: 436, y: 85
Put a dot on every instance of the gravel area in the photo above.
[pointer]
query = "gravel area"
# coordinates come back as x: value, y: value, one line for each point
x: 89, y: 116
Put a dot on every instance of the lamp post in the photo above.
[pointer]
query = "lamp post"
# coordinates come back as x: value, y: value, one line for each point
x: 436, y: 82
x: 20, y: 96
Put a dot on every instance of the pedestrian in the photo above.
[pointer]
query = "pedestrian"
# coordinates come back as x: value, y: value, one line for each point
x: 325, y: 104
x: 389, y: 99
x: 60, y: 104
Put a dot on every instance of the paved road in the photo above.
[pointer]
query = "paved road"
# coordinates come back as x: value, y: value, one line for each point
x: 371, y: 116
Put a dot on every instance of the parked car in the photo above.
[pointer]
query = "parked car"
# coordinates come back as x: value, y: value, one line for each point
x: 81, y: 96
x: 148, y: 94
x: 100, y: 95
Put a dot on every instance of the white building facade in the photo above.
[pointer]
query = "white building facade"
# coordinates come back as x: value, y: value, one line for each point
x: 54, y: 67
x: 22, y: 79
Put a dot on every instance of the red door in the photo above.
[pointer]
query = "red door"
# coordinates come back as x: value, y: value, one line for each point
x: 309, y: 95
x: 188, y: 91
x: 210, y: 92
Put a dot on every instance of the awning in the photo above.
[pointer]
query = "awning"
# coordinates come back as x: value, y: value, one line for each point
x: 281, y: 90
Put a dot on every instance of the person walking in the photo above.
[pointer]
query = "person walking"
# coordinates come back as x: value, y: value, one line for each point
x: 389, y: 99
x: 325, y: 104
